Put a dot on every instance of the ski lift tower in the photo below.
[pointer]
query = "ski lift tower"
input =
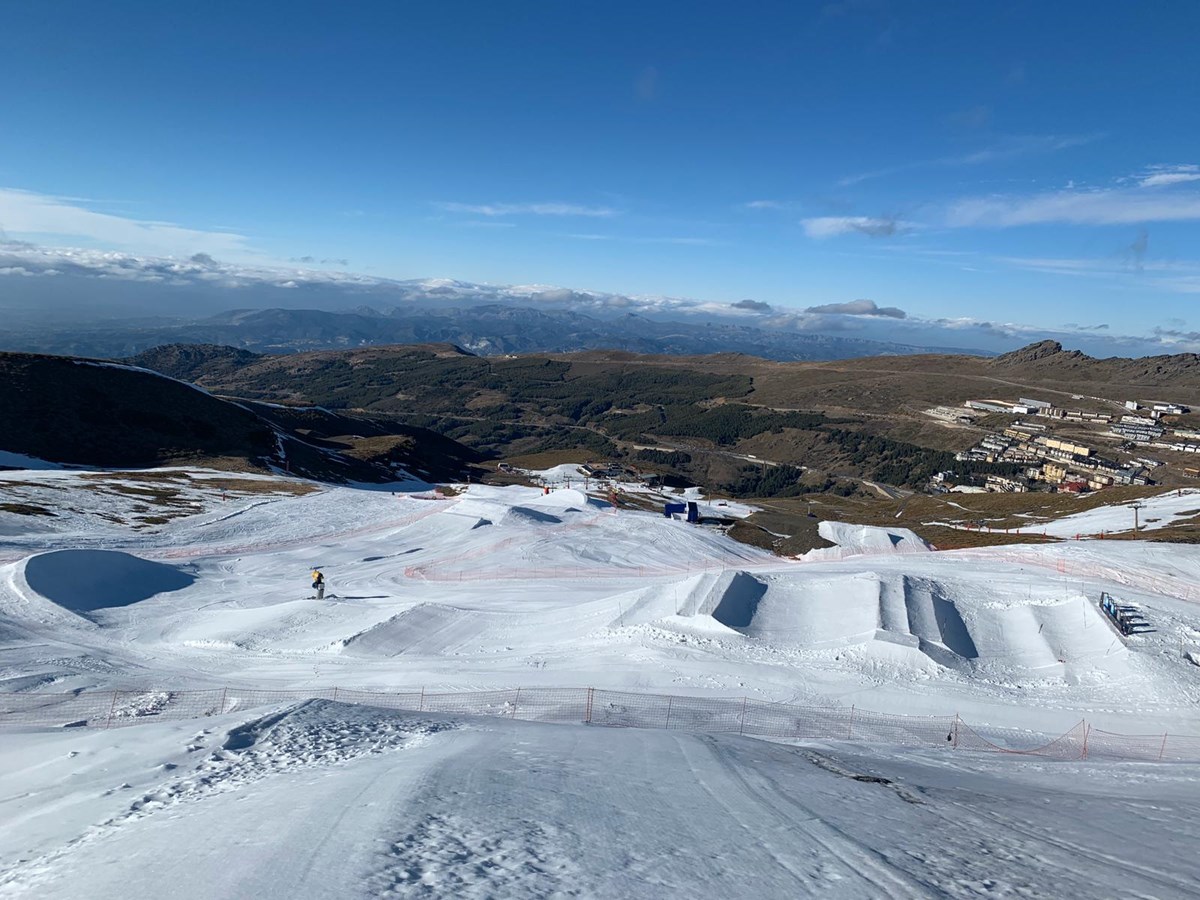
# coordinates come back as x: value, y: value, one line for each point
x: 1135, y: 507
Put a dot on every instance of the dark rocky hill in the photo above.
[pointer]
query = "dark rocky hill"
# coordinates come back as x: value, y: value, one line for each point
x: 190, y: 361
x: 94, y: 413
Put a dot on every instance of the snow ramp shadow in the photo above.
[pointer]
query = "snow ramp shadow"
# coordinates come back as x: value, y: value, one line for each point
x: 87, y: 581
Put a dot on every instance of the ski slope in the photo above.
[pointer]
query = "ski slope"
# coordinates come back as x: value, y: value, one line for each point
x: 1153, y: 513
x: 488, y: 588
x: 495, y: 588
x: 323, y: 800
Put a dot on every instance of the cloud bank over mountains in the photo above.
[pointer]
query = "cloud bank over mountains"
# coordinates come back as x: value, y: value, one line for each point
x: 39, y: 284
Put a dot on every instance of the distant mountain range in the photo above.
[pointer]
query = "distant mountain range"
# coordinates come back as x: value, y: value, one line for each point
x: 492, y: 329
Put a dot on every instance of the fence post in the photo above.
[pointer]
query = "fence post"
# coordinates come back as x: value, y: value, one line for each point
x: 1087, y: 730
x: 956, y: 731
x: 850, y: 727
x: 111, y: 707
x: 742, y: 718
x: 421, y: 707
x: 668, y: 725
x: 224, y: 691
x: 335, y: 694
x: 516, y: 700
x: 587, y: 713
x: 1163, y: 748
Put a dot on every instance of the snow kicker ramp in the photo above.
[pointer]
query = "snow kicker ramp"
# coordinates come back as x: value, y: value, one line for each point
x: 962, y: 626
x: 88, y: 581
x: 859, y: 540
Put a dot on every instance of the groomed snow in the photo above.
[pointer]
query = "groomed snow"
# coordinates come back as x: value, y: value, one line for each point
x: 496, y: 588
x: 1155, y: 512
x: 1160, y: 511
x: 323, y: 800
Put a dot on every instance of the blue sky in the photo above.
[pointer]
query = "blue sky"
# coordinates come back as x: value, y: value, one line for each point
x: 1017, y: 162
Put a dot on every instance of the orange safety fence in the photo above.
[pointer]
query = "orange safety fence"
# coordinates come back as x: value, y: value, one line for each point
x: 596, y: 706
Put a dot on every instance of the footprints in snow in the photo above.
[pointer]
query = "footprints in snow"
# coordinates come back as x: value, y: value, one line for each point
x: 304, y: 737
x: 449, y: 857
x: 313, y: 735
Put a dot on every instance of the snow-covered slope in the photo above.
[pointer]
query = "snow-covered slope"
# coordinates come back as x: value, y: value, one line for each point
x: 1153, y: 513
x: 502, y: 587
x: 330, y: 801
x: 496, y: 588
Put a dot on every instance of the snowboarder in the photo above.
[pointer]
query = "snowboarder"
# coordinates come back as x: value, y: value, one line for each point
x: 318, y: 581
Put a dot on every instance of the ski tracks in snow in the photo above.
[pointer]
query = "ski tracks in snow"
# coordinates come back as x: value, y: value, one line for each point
x: 834, y: 862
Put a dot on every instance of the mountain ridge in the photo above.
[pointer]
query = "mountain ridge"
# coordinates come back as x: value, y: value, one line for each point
x: 88, y: 412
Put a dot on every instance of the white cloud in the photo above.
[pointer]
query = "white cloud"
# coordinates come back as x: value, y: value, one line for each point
x: 21, y: 258
x: 1162, y: 176
x: 43, y: 216
x: 528, y: 209
x: 1013, y: 147
x: 1172, y: 276
x: 1120, y: 206
x: 823, y: 227
x: 765, y: 204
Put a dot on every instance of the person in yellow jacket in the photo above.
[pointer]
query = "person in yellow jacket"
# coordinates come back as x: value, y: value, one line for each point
x: 318, y: 581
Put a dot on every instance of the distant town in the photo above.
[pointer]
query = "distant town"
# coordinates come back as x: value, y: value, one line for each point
x: 1067, y: 449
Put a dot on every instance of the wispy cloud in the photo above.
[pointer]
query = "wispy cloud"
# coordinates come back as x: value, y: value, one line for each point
x: 303, y: 260
x: 647, y: 85
x: 1106, y: 206
x: 1132, y: 265
x: 1162, y: 176
x: 766, y: 204
x: 823, y: 227
x: 528, y: 209
x: 627, y: 239
x: 44, y: 216
x: 1012, y: 147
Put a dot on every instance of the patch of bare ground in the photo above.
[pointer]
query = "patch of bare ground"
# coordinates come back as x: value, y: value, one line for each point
x: 25, y: 509
x: 782, y: 533
x: 259, y: 486
x: 789, y: 525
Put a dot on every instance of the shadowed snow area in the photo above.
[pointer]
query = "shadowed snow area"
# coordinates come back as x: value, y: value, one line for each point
x: 85, y: 581
x: 737, y: 602
x: 535, y: 515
